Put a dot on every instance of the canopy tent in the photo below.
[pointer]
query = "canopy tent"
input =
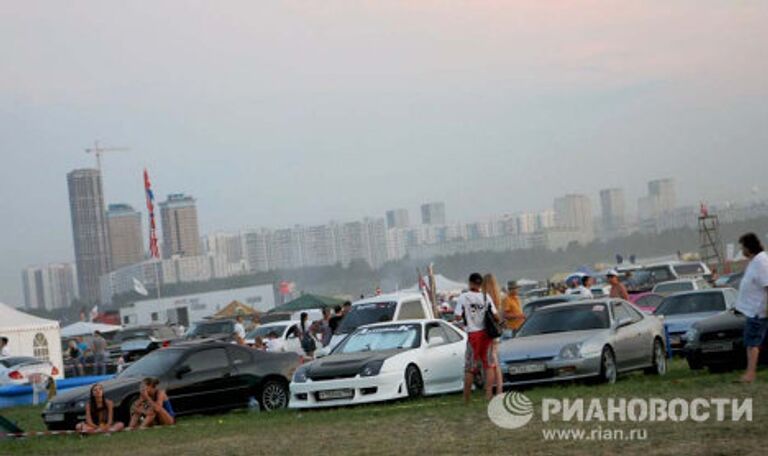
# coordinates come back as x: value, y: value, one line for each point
x: 29, y: 335
x: 307, y: 302
x: 234, y: 309
x: 443, y: 285
x: 84, y: 328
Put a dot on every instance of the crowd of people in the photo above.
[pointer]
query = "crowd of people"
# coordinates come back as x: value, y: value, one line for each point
x: 78, y: 350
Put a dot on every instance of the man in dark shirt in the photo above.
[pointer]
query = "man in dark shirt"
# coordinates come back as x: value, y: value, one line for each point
x: 335, y: 319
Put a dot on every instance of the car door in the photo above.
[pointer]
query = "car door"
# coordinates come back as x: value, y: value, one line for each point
x: 458, y: 346
x: 626, y: 338
x: 242, y: 380
x: 202, y: 380
x: 436, y: 359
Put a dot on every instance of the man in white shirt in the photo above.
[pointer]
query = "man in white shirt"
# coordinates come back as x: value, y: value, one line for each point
x: 583, y: 290
x: 239, y: 328
x: 753, y: 301
x: 470, y: 310
x: 273, y: 343
x: 5, y: 352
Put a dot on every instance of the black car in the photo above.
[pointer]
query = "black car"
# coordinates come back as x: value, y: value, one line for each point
x: 199, y: 378
x: 134, y: 343
x: 718, y: 343
x: 221, y: 330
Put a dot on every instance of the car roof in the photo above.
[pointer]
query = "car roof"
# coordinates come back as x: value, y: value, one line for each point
x: 389, y: 297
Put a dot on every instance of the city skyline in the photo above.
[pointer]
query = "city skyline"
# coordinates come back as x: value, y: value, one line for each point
x: 278, y: 115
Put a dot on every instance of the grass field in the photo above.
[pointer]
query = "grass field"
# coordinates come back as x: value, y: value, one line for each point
x: 440, y: 425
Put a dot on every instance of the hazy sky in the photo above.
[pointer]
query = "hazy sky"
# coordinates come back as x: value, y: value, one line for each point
x: 281, y: 112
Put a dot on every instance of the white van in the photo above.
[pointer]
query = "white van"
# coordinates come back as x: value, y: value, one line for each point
x: 382, y: 308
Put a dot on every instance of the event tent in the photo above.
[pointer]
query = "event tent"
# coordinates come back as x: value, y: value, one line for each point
x: 234, y: 309
x: 29, y: 335
x: 84, y: 328
x: 443, y: 285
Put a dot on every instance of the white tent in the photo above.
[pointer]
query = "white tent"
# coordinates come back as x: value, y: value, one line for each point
x: 443, y: 285
x: 84, y: 328
x: 31, y: 336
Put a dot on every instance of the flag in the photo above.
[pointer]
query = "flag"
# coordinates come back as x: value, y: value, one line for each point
x: 139, y: 287
x: 154, y: 252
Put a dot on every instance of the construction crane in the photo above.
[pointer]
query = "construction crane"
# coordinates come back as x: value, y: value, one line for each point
x: 98, y: 151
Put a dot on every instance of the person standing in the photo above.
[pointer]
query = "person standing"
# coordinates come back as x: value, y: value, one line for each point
x: 470, y: 309
x: 5, y: 352
x: 752, y: 301
x: 308, y: 344
x: 99, y: 349
x: 491, y: 293
x: 324, y: 329
x: 512, y: 309
x: 239, y: 330
x: 335, y: 319
x: 618, y: 290
x: 584, y: 289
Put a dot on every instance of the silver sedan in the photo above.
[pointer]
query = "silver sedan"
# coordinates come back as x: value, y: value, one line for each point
x: 596, y: 339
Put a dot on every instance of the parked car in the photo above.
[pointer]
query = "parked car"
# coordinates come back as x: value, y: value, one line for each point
x: 537, y: 304
x: 676, y: 286
x: 594, y: 339
x: 133, y: 343
x: 21, y: 370
x: 198, y: 378
x: 647, y: 302
x: 379, y: 309
x: 288, y: 333
x: 382, y: 362
x: 682, y: 310
x: 717, y: 343
x: 221, y: 330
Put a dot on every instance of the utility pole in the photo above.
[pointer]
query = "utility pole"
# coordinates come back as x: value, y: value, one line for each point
x: 710, y: 243
x: 98, y: 151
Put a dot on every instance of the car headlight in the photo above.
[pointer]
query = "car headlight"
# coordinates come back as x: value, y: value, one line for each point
x: 692, y: 335
x: 80, y: 405
x: 300, y: 376
x: 571, y: 351
x: 371, y: 369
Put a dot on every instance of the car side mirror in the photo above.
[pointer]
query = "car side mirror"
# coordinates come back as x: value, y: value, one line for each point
x: 435, y: 341
x: 182, y: 371
x: 624, y: 322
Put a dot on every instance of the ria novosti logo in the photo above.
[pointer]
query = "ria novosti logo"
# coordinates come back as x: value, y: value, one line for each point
x: 510, y: 411
x: 514, y: 410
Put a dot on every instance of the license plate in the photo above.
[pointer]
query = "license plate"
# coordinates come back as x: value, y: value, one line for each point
x: 526, y: 369
x: 717, y: 347
x: 335, y: 394
x: 54, y: 417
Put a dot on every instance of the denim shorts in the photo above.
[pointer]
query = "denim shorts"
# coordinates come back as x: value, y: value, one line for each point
x: 754, y: 331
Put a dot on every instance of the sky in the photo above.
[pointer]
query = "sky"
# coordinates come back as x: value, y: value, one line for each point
x: 301, y: 112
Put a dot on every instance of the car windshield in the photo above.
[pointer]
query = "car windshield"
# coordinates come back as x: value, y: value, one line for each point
x: 650, y: 301
x: 571, y: 318
x: 17, y: 360
x: 382, y: 338
x: 133, y: 334
x: 540, y: 303
x: 264, y: 331
x: 366, y: 314
x: 691, y: 303
x: 661, y: 273
x: 673, y: 287
x: 154, y: 364
x: 689, y: 269
x: 209, y: 329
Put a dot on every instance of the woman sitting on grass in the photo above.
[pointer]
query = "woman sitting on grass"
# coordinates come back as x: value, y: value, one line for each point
x: 153, y: 407
x: 99, y: 414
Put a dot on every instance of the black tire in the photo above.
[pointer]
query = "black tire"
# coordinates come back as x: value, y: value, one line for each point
x: 124, y: 413
x: 274, y: 395
x: 608, y: 370
x: 659, y: 360
x: 694, y: 364
x: 414, y: 382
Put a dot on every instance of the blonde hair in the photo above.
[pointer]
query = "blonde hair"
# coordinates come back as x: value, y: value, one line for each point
x: 491, y: 288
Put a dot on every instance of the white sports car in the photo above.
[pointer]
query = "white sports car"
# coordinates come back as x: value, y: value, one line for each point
x: 21, y: 370
x: 383, y: 362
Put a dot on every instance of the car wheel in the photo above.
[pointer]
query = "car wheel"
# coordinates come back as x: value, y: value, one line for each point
x: 413, y: 381
x: 659, y: 360
x: 125, y: 411
x: 608, y: 372
x: 274, y: 395
x: 694, y: 364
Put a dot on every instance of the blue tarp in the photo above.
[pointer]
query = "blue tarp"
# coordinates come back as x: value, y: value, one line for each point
x: 16, y: 395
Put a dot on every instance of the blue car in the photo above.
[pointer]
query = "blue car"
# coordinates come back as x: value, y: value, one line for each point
x: 682, y: 310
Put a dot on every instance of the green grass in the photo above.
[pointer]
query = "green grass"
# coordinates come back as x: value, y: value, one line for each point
x: 439, y: 425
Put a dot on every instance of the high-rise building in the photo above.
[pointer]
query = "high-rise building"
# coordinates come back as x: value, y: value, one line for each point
x: 256, y: 245
x: 574, y: 213
x: 228, y: 246
x: 397, y: 218
x: 612, y: 211
x: 662, y: 192
x: 49, y: 287
x: 433, y: 214
x: 89, y: 231
x: 126, y: 241
x: 181, y: 234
